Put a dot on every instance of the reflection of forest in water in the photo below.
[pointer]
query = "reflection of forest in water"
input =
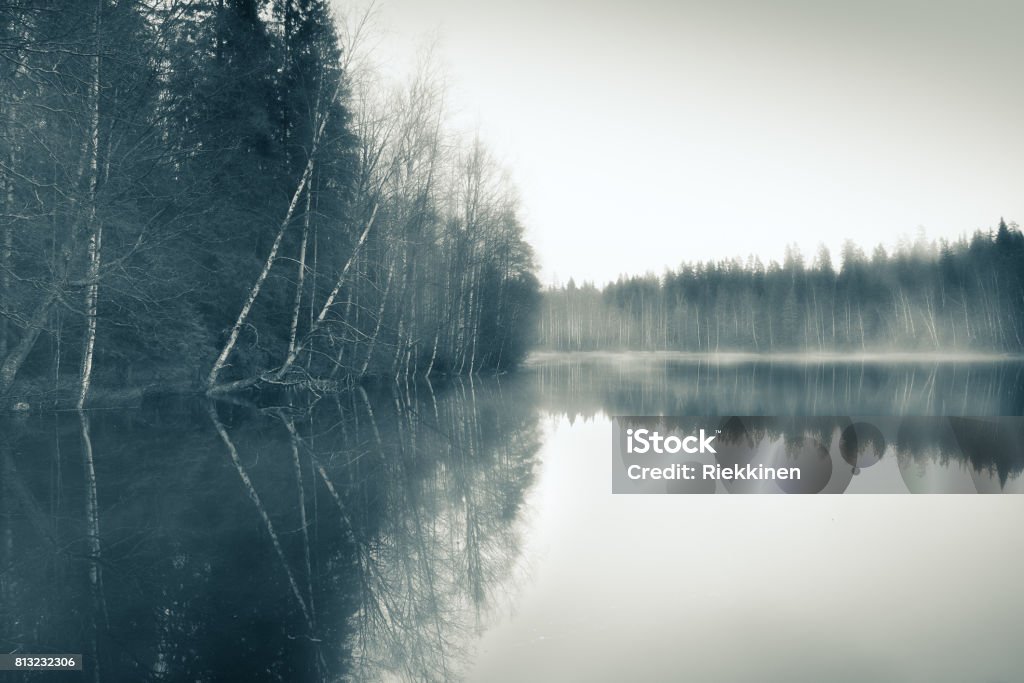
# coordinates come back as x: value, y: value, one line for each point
x: 807, y: 405
x: 990, y: 450
x: 368, y: 536
x: 655, y: 384
x: 373, y: 535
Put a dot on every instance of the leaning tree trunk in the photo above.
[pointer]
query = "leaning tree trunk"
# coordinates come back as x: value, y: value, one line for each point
x: 329, y: 303
x: 17, y: 355
x: 254, y: 292
x: 380, y: 321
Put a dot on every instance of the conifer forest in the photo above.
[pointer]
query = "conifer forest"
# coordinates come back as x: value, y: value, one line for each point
x: 221, y: 194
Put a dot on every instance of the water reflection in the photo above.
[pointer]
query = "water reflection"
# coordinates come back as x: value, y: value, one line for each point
x: 930, y: 454
x: 364, y: 537
x: 373, y: 535
x: 654, y: 384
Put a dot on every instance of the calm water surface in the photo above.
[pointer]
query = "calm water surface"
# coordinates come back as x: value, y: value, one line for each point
x: 467, y: 531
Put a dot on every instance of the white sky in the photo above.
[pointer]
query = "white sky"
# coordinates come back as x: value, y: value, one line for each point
x: 645, y: 133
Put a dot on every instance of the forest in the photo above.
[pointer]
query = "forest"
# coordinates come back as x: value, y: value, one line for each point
x: 924, y: 296
x: 225, y: 194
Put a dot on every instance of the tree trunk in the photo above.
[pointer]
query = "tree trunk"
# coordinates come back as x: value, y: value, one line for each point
x: 6, y: 253
x: 330, y: 297
x: 95, y: 229
x: 254, y: 292
x: 17, y: 355
x: 300, y: 278
x: 380, y: 321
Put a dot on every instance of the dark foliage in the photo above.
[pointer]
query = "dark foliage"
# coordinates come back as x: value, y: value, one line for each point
x: 196, y: 145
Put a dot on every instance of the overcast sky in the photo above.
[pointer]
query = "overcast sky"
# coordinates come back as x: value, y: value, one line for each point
x: 647, y: 132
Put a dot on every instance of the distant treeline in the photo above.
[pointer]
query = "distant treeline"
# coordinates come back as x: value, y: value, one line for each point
x: 967, y: 294
x: 221, y: 194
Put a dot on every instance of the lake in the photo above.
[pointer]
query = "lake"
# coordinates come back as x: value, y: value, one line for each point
x: 467, y: 531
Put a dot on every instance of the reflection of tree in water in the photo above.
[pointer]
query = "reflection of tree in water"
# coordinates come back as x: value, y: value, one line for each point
x: 639, y: 384
x: 991, y: 446
x: 363, y: 537
x: 987, y: 445
x: 447, y: 540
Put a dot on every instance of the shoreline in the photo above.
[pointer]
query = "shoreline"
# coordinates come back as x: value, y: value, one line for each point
x: 785, y: 357
x: 103, y: 397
